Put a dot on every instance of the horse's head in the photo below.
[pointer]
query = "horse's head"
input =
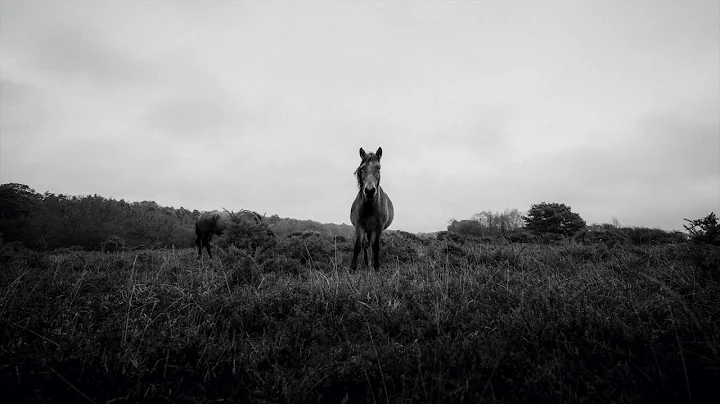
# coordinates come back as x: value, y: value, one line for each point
x: 368, y: 173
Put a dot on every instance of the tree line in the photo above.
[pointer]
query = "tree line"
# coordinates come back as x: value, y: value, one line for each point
x: 554, y: 222
x: 49, y: 221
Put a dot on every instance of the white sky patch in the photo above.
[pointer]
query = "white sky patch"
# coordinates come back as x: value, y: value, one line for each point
x: 610, y: 107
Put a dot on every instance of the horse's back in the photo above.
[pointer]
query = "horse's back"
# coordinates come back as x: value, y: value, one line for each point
x: 214, y: 221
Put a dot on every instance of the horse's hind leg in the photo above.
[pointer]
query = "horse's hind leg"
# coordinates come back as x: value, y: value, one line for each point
x: 198, y: 243
x: 207, y: 245
x: 356, y: 251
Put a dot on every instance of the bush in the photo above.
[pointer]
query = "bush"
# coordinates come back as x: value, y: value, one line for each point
x: 248, y: 232
x: 311, y: 250
x: 468, y: 227
x: 605, y: 234
x: 552, y: 238
x: 13, y: 250
x: 705, y: 230
x: 644, y: 236
x: 451, y: 236
x: 16, y: 251
x: 521, y: 236
x: 398, y: 247
x: 112, y: 243
x: 306, y: 234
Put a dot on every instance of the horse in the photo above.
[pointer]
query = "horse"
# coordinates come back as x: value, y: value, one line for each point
x: 216, y: 222
x: 209, y: 223
x: 372, y: 211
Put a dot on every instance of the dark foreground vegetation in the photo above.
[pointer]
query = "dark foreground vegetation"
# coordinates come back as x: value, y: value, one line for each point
x: 450, y: 320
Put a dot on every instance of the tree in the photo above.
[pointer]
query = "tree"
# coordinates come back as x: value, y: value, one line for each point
x: 705, y: 230
x: 488, y: 223
x: 554, y: 218
x: 17, y: 200
x: 468, y: 227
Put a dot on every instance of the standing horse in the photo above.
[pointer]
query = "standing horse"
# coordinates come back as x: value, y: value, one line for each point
x: 372, y: 211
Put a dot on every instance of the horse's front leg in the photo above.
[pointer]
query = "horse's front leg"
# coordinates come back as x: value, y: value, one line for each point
x: 375, y: 243
x: 366, y: 243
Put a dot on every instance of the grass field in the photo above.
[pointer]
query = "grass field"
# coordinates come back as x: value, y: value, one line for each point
x: 441, y: 322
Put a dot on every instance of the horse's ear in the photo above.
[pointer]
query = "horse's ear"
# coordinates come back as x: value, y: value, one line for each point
x: 379, y: 152
x: 362, y: 153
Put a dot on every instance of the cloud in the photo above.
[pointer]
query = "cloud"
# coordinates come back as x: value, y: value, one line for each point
x: 25, y: 111
x: 76, y: 53
x: 195, y: 117
x: 486, y: 106
x: 211, y: 113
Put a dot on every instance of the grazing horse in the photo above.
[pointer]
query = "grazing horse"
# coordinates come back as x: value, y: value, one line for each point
x: 372, y: 211
x: 209, y: 223
x: 217, y: 222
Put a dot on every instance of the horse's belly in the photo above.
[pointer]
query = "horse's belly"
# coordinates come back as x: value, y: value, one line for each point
x: 372, y: 223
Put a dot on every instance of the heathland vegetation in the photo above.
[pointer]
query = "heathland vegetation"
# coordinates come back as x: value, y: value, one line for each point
x: 104, y: 300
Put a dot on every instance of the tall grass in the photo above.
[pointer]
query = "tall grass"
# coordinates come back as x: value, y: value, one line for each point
x: 441, y: 322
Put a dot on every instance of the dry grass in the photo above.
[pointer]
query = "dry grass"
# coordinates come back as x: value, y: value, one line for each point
x: 441, y: 322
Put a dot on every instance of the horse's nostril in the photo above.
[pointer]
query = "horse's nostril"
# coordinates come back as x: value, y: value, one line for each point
x: 370, y: 192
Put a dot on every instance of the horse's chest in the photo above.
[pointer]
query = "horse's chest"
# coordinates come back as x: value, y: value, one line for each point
x: 370, y: 217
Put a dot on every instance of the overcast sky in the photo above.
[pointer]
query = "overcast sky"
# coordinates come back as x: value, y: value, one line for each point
x: 611, y: 107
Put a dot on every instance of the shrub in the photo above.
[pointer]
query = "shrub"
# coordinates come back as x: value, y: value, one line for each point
x: 13, y: 250
x: 248, y: 232
x: 605, y: 234
x: 450, y: 236
x: 112, y: 243
x: 552, y: 238
x: 644, y: 236
x: 467, y: 227
x: 310, y: 250
x: 705, y: 230
x: 399, y: 247
x: 521, y: 236
x: 306, y: 234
